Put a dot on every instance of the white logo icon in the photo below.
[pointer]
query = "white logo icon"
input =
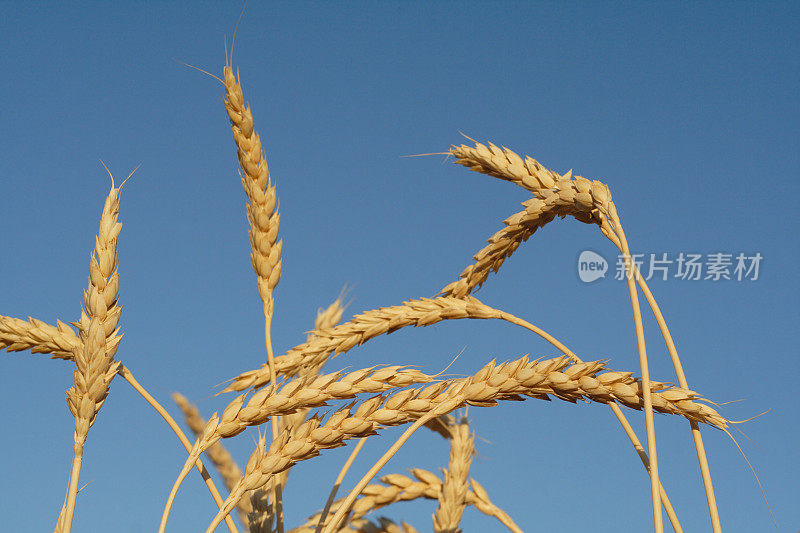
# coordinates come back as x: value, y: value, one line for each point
x: 591, y: 266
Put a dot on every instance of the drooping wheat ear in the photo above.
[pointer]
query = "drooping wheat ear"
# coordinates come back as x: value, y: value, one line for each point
x: 262, y: 207
x: 94, y: 357
x: 453, y: 497
x: 219, y: 455
x: 494, y: 382
x: 400, y: 488
x: 554, y: 195
x: 361, y: 328
x: 528, y: 173
x: 519, y: 227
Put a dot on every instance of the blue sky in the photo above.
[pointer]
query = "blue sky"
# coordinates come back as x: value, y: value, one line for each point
x: 688, y: 111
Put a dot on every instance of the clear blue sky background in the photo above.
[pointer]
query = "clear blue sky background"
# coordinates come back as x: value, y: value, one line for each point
x: 688, y: 111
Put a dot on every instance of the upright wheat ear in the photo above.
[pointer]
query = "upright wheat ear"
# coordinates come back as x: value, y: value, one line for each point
x: 261, y: 210
x: 94, y: 357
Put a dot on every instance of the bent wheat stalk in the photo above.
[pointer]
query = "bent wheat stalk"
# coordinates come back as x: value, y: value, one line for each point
x: 220, y: 457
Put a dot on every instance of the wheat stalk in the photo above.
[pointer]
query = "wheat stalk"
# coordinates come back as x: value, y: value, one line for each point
x: 220, y: 457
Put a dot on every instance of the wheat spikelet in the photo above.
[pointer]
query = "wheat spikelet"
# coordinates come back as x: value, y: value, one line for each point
x: 361, y: 328
x: 453, y: 497
x: 494, y: 382
x: 94, y: 355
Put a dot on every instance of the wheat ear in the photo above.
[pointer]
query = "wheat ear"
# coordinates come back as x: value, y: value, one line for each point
x: 262, y: 199
x: 37, y: 336
x: 453, y: 497
x: 95, y: 365
x: 361, y: 328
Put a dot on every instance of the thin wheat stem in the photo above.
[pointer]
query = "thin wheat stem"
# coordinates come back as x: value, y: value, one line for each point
x: 673, y: 518
x: 696, y: 435
x: 348, y: 501
x: 277, y: 495
x: 338, y: 483
x: 614, y: 407
x: 645, y: 372
x: 72, y: 491
x: 128, y: 376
